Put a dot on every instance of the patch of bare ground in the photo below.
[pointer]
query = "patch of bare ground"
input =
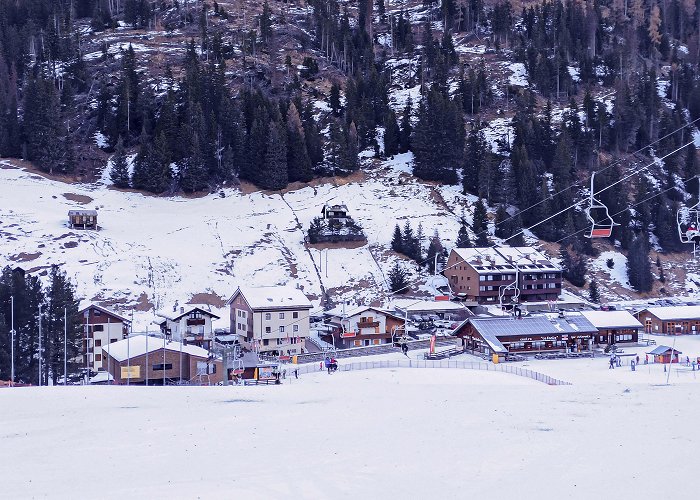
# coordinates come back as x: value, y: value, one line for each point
x: 25, y: 257
x: 207, y: 298
x: 11, y: 163
x: 143, y: 304
x: 339, y: 244
x: 78, y: 198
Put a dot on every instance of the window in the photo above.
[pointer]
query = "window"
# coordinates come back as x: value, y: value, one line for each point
x: 295, y: 315
x: 295, y: 328
x: 98, y: 328
x: 357, y: 343
x: 160, y: 367
x: 268, y: 329
x: 482, y: 278
x: 266, y: 342
x: 280, y: 341
x: 98, y: 342
x: 195, y: 314
x: 281, y: 315
x: 281, y: 329
x: 111, y: 341
x: 482, y: 288
x: 97, y: 312
x: 268, y: 316
x: 98, y: 357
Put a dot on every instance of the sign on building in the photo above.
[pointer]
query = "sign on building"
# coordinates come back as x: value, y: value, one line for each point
x: 131, y: 372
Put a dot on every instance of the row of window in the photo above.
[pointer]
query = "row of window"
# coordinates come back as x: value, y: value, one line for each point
x: 290, y: 340
x: 496, y: 277
x: 295, y: 328
x: 241, y: 313
x: 268, y: 316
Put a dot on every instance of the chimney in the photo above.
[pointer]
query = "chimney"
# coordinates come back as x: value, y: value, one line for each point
x: 182, y: 310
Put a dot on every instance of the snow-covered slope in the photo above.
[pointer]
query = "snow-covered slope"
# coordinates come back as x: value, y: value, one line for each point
x: 152, y: 251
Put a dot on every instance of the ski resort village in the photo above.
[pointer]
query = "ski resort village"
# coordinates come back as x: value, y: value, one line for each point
x: 320, y: 249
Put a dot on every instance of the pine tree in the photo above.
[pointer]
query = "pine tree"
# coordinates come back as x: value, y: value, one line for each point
x: 593, y: 293
x: 61, y: 304
x: 463, y: 240
x: 266, y: 23
x: 120, y: 169
x: 408, y: 241
x: 479, y: 224
x: 406, y: 129
x: 275, y: 174
x: 397, y: 240
x: 398, y: 279
x: 392, y: 134
x: 639, y: 265
x: 334, y: 99
x: 298, y: 161
x: 193, y: 170
x: 435, y: 248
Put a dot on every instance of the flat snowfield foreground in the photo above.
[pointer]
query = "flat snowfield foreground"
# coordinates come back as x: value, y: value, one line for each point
x: 390, y: 433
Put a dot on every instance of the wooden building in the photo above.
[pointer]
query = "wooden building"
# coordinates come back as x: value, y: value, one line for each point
x: 672, y: 320
x: 529, y: 334
x: 482, y: 274
x: 360, y: 326
x: 82, y: 219
x: 334, y: 211
x: 662, y: 354
x: 136, y: 358
x: 614, y: 327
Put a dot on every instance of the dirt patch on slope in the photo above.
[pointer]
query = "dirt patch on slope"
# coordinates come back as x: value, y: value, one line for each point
x: 25, y: 257
x: 207, y: 298
x: 78, y: 198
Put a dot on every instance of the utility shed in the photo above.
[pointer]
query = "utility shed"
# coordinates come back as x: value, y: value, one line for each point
x: 82, y: 219
x: 662, y: 354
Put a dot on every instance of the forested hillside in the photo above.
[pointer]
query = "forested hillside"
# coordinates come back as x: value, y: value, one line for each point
x: 515, y: 102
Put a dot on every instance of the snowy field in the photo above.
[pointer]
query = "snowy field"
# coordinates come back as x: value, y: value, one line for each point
x: 389, y: 433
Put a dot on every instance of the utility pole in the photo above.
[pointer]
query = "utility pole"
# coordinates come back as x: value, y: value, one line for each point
x: 39, y: 345
x: 65, y: 346
x: 12, y: 349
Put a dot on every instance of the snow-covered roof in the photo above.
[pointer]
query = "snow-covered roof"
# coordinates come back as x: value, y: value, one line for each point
x: 104, y: 310
x: 663, y: 349
x: 428, y: 305
x: 489, y: 259
x: 136, y: 346
x: 674, y: 312
x: 176, y: 316
x: 532, y: 325
x: 611, y: 319
x: 355, y: 310
x: 270, y: 297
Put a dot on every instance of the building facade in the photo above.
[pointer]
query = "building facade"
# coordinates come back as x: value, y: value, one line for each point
x: 529, y: 334
x: 100, y: 327
x: 139, y: 358
x: 193, y: 325
x: 271, y: 320
x: 361, y: 326
x: 673, y: 320
x: 484, y: 274
x: 614, y: 327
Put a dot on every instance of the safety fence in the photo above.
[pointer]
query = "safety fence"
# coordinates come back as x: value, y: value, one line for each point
x: 375, y: 349
x: 414, y: 363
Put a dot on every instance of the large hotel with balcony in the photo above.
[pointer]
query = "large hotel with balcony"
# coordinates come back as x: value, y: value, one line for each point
x: 481, y: 274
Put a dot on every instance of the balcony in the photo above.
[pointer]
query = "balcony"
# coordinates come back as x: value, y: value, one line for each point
x: 196, y: 321
x: 367, y: 324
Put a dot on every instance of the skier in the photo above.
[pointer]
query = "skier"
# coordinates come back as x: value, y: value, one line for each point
x: 612, y: 363
x: 404, y: 349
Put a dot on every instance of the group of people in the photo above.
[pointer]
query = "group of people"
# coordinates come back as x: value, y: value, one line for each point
x: 331, y: 364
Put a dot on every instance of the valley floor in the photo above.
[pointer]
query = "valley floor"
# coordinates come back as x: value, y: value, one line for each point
x: 389, y: 433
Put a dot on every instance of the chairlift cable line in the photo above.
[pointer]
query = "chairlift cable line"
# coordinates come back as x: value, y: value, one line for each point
x: 632, y: 206
x: 636, y: 172
x: 579, y: 183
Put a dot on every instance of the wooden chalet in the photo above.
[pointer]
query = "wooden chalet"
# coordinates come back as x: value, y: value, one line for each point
x: 662, y: 354
x: 334, y: 211
x: 672, y: 320
x: 360, y: 326
x: 82, y: 219
x: 529, y: 334
x: 614, y: 327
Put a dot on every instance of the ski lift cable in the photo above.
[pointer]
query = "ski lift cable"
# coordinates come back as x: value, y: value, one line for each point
x: 631, y: 206
x: 579, y: 183
x: 574, y: 205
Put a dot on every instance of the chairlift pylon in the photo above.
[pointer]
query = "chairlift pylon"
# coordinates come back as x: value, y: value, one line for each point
x: 598, y: 214
x: 688, y: 223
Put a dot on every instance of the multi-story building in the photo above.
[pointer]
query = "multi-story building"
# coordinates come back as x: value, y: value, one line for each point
x: 272, y: 320
x: 100, y: 328
x: 361, y: 326
x: 482, y: 274
x: 193, y: 325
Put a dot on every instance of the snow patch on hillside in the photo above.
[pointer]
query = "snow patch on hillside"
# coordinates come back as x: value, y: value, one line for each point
x: 616, y: 275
